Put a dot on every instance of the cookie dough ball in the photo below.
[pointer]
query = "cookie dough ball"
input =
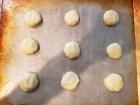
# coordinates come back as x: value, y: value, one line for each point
x: 72, y: 18
x: 70, y: 80
x: 113, y: 82
x: 29, y: 82
x: 72, y: 49
x: 29, y: 46
x: 33, y: 18
x: 114, y: 51
x: 111, y: 17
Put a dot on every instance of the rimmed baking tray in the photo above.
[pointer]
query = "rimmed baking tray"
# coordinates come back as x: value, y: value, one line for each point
x: 50, y: 63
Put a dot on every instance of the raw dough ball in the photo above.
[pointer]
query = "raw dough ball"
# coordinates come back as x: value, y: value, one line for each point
x: 33, y: 18
x: 72, y: 18
x: 111, y: 17
x: 30, y: 81
x: 114, y: 82
x: 29, y: 46
x: 72, y: 50
x: 70, y: 80
x: 114, y: 51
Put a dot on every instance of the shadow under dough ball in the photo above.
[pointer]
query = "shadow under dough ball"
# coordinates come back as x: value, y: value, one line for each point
x: 33, y: 18
x: 72, y: 18
x: 113, y: 82
x: 29, y: 82
x: 70, y: 80
x: 72, y: 49
x: 111, y: 18
x: 114, y: 51
x: 29, y: 46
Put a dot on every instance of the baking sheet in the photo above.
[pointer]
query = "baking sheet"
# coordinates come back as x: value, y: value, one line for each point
x: 136, y: 7
x: 51, y: 64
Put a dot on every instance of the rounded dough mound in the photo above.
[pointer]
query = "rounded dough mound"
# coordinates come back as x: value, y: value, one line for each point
x: 29, y: 82
x: 72, y: 18
x: 114, y: 82
x: 111, y: 17
x: 33, y: 18
x: 29, y: 46
x: 72, y: 50
x: 70, y: 80
x: 114, y: 51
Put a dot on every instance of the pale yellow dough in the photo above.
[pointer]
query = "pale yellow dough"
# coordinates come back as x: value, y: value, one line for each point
x: 29, y: 82
x: 70, y: 81
x: 113, y: 82
x: 71, y: 18
x: 72, y: 49
x: 114, y: 51
x: 33, y: 18
x: 29, y: 46
x: 111, y: 17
